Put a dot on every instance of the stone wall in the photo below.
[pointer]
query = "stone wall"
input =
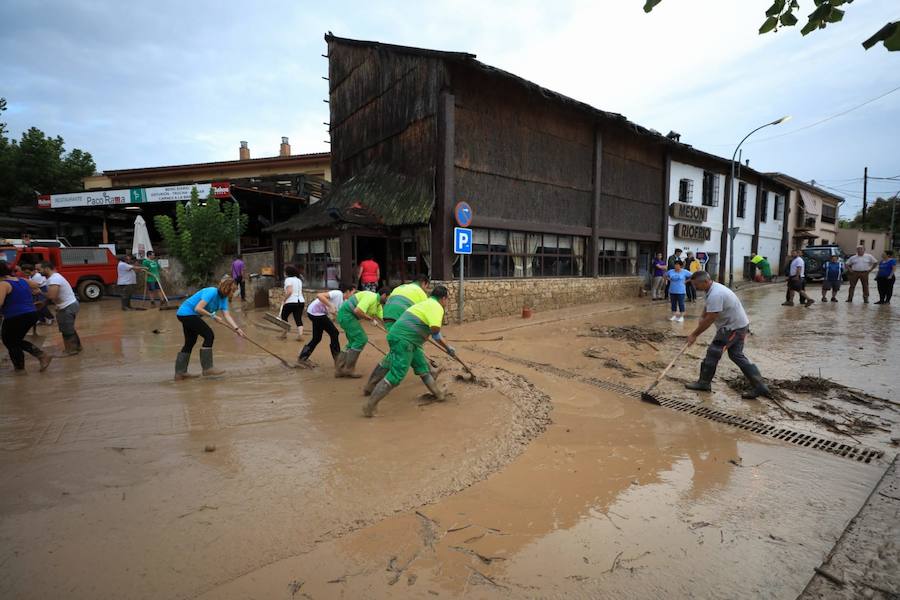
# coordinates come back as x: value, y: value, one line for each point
x: 487, y: 298
x: 176, y: 286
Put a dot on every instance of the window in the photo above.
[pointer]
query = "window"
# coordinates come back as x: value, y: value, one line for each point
x: 862, y: 243
x: 319, y: 261
x: 829, y: 213
x: 500, y: 253
x: 685, y: 190
x: 710, y: 189
x: 763, y: 207
x: 873, y: 244
x: 779, y: 208
x: 742, y: 200
x: 617, y: 257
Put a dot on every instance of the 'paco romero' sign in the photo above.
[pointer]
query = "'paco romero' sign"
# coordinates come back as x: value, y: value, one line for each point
x: 692, y: 232
x: 688, y: 212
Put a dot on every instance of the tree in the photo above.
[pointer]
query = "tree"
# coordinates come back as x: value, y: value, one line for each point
x: 878, y: 217
x: 781, y: 14
x: 200, y: 233
x: 38, y: 164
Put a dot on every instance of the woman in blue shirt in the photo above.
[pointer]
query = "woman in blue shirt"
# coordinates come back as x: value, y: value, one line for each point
x: 885, y: 277
x: 19, y: 315
x: 205, y: 303
x: 677, y: 289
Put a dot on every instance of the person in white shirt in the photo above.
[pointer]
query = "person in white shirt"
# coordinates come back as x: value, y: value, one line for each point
x: 293, y: 298
x: 126, y: 279
x: 858, y: 268
x: 732, y: 326
x: 796, y: 281
x: 321, y: 310
x: 60, y: 293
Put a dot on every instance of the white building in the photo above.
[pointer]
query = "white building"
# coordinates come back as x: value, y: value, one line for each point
x: 698, y: 217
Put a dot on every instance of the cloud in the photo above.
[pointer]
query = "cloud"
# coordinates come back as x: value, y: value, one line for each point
x: 165, y: 82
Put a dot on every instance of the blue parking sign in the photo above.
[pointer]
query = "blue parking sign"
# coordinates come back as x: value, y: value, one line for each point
x: 462, y: 240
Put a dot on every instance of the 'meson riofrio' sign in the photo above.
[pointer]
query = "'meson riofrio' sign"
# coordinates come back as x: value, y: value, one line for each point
x: 686, y: 231
x: 688, y: 212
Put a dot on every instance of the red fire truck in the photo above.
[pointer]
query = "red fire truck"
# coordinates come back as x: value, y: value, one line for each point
x: 87, y: 269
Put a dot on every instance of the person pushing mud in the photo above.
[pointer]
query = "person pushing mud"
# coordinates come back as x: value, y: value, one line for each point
x: 405, y: 339
x: 204, y: 303
x: 361, y: 305
x: 401, y: 298
x: 732, y: 325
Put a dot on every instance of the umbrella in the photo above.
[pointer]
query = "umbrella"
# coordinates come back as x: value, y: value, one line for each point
x: 141, y: 244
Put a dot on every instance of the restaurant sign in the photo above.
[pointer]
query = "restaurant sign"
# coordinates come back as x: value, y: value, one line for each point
x: 688, y: 212
x: 699, y: 233
x: 169, y: 193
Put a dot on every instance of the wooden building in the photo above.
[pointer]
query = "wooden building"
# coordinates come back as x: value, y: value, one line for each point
x: 559, y: 188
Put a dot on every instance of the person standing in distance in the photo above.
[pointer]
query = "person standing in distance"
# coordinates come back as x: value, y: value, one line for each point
x: 858, y: 268
x: 797, y: 281
x: 237, y: 275
x: 833, y: 277
x: 732, y: 326
x: 886, y: 278
x: 151, y: 265
x: 368, y: 274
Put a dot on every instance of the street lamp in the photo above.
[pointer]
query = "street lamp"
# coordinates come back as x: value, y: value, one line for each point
x: 732, y: 232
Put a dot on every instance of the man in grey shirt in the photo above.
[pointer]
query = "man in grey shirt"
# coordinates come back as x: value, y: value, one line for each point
x: 732, y: 325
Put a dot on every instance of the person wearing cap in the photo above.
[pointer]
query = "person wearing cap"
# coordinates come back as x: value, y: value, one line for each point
x: 361, y: 305
x: 401, y: 298
x: 405, y: 339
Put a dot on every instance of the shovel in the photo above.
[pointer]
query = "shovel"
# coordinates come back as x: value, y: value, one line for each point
x: 165, y: 306
x: 381, y: 327
x: 646, y: 396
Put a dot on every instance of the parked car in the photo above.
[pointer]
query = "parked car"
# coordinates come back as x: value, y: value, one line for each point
x: 815, y: 257
x: 87, y: 269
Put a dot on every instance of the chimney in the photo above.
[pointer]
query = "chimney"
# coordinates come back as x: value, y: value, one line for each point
x: 285, y: 149
x: 748, y: 162
x: 244, y: 152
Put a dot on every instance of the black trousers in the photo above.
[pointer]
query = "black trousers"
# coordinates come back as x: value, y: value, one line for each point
x: 194, y: 326
x: 691, y: 292
x: 885, y: 288
x: 320, y: 325
x: 13, y: 335
x: 731, y: 342
x: 240, y: 282
x: 293, y: 308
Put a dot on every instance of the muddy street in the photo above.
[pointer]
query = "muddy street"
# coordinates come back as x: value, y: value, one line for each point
x: 548, y: 477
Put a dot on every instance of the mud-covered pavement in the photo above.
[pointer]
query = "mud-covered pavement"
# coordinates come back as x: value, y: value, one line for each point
x: 267, y: 483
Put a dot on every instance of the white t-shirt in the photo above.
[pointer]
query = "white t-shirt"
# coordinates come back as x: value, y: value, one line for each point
x: 318, y: 308
x: 66, y: 296
x: 125, y: 273
x: 720, y: 299
x: 39, y: 279
x: 296, y: 286
x: 861, y: 263
x: 798, y: 267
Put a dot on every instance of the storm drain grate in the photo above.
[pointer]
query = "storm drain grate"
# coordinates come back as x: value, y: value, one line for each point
x: 858, y: 453
x: 807, y: 440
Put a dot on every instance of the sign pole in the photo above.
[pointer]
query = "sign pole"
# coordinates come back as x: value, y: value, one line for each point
x: 461, y: 301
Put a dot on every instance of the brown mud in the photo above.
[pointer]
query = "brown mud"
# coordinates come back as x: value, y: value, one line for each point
x: 108, y: 489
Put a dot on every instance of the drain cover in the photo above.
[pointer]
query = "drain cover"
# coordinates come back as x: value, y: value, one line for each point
x: 807, y: 440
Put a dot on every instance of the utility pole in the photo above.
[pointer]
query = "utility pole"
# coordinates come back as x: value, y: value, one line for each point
x: 893, y: 218
x: 865, y: 187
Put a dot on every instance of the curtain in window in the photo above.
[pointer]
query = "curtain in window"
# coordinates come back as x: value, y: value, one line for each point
x: 534, y: 240
x: 632, y: 258
x: 333, y: 266
x: 578, y: 251
x: 517, y: 249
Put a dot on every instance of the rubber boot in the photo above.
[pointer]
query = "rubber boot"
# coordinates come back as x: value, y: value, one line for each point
x: 759, y: 385
x: 181, y: 366
x: 206, y: 361
x: 339, y: 361
x: 433, y: 387
x: 349, y: 367
x: 70, y: 345
x: 304, y: 353
x: 299, y: 332
x: 381, y: 390
x: 377, y: 375
x: 45, y: 359
x: 78, y: 347
x: 704, y: 384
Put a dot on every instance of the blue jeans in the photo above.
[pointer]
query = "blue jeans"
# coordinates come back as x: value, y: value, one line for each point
x: 677, y: 301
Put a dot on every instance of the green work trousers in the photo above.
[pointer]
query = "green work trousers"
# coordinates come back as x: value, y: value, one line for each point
x: 353, y: 329
x: 419, y: 360
x: 403, y: 354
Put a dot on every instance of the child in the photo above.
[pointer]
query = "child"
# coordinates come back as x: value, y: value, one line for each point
x: 677, y: 279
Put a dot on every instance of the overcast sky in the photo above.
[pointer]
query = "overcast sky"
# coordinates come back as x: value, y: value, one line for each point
x: 149, y: 83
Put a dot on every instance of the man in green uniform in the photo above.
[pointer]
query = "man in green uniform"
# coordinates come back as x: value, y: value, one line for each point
x: 361, y: 305
x: 150, y: 263
x: 400, y: 299
x: 405, y: 340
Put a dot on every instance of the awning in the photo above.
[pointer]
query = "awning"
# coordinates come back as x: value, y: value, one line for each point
x: 809, y: 203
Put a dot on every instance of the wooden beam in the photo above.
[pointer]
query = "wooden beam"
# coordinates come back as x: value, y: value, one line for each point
x: 593, y: 252
x: 726, y: 212
x: 754, y: 243
x: 667, y: 192
x: 442, y: 217
x: 533, y: 226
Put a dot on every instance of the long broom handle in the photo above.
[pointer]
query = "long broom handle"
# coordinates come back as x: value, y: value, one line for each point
x: 258, y: 345
x: 381, y: 327
x: 666, y: 370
